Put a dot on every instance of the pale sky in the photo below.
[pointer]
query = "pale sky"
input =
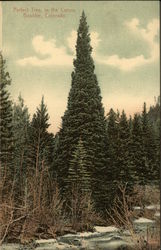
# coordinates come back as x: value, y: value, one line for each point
x: 39, y: 47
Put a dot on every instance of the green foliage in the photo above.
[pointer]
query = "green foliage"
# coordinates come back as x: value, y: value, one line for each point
x: 124, y: 162
x: 6, y: 132
x: 78, y: 175
x: 150, y: 148
x: 41, y: 142
x: 137, y: 151
x: 20, y: 138
x: 112, y: 122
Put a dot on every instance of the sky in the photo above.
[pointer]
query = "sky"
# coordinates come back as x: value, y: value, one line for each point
x: 38, y: 43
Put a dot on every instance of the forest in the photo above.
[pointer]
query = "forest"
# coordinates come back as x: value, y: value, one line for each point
x: 51, y: 184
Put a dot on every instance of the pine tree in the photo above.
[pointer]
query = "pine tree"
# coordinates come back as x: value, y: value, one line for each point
x: 6, y: 133
x: 124, y: 162
x: 84, y: 118
x: 20, y: 137
x: 112, y: 138
x: 136, y: 151
x: 78, y: 175
x: 150, y: 148
x: 40, y: 157
x: 41, y: 142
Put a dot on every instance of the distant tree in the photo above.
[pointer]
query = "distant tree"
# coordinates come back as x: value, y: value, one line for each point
x: 150, y: 148
x: 6, y: 130
x: 20, y: 135
x: 137, y: 151
x: 124, y: 162
x: 130, y: 123
x: 154, y: 116
x: 112, y: 151
x: 84, y: 118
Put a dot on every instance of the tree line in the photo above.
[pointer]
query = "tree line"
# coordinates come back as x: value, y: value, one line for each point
x: 91, y: 153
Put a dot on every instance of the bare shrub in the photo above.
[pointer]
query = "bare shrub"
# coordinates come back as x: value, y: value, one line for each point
x: 82, y: 213
x: 123, y: 213
x: 44, y: 207
x: 147, y: 194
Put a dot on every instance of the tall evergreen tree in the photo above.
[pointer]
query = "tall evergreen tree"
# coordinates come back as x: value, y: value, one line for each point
x: 84, y: 118
x: 6, y: 133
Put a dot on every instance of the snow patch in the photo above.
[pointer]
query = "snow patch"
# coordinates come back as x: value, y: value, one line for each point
x: 137, y: 208
x: 157, y: 214
x: 153, y: 207
x: 143, y: 220
x: 87, y: 234
x: 109, y: 229
x: 44, y: 241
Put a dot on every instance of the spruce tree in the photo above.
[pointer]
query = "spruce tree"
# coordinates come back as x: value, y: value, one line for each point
x: 112, y: 137
x: 150, y: 148
x: 41, y: 142
x: 124, y: 162
x: 137, y: 151
x: 40, y: 157
x: 6, y: 133
x: 20, y: 136
x: 78, y: 175
x: 84, y: 118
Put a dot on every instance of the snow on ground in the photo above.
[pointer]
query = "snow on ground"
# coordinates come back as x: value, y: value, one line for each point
x: 157, y: 214
x: 49, y: 241
x: 98, y: 231
x: 109, y: 229
x: 137, y: 208
x: 143, y: 220
x: 87, y: 234
x: 153, y: 207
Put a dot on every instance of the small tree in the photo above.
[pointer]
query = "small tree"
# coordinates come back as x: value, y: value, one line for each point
x: 40, y: 152
x: 78, y: 175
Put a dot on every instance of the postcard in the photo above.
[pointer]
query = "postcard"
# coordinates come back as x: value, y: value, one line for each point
x: 79, y: 124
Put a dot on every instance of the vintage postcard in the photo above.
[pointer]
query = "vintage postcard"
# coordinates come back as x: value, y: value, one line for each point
x: 79, y: 125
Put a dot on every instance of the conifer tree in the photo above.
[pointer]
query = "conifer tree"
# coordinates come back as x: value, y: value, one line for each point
x: 78, y: 175
x: 84, y: 118
x: 41, y: 142
x: 112, y: 138
x: 6, y: 133
x: 150, y: 148
x: 20, y: 136
x: 124, y: 162
x: 136, y: 151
